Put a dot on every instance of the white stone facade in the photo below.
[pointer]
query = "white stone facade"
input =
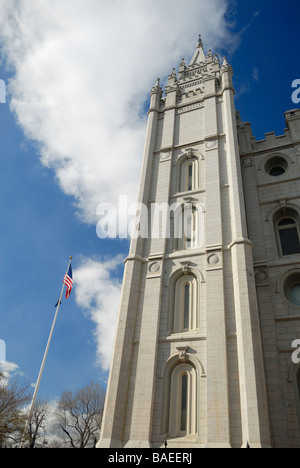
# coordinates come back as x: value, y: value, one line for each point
x: 268, y: 198
x: 203, y: 351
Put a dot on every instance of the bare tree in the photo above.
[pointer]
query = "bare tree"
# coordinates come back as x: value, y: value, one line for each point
x: 37, y: 420
x: 14, y: 397
x: 80, y: 415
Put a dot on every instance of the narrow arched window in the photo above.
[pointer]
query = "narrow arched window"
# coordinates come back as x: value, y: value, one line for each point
x: 186, y: 228
x: 188, y: 175
x: 184, y: 305
x: 186, y: 317
x: 183, y: 406
x: 182, y: 401
x: 288, y: 233
x: 188, y: 231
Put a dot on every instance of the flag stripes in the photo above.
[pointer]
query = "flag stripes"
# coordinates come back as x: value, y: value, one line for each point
x: 68, y: 281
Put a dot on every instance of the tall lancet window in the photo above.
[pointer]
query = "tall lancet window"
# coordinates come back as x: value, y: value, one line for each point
x: 182, y: 404
x: 184, y: 304
x: 186, y: 228
x: 187, y: 306
x: 189, y: 175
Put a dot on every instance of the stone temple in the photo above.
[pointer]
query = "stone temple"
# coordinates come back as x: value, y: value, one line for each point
x: 210, y: 306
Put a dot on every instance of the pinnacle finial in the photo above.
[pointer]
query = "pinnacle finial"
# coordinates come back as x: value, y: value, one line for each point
x: 200, y: 43
x: 225, y: 65
x: 156, y: 88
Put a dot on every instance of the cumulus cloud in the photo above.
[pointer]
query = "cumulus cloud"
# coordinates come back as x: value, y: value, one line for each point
x: 7, y: 370
x: 83, y: 71
x: 97, y: 292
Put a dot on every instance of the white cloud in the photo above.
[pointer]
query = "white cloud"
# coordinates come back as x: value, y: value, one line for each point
x: 97, y: 292
x: 8, y: 369
x: 83, y: 71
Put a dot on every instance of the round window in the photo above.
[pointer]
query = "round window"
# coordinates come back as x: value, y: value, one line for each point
x: 276, y: 171
x: 294, y: 294
x: 292, y: 289
x: 276, y: 166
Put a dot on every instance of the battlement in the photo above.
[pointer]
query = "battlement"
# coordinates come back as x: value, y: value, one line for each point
x: 249, y: 144
x: 271, y: 140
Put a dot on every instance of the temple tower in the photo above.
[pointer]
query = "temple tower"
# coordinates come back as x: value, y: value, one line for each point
x: 188, y: 364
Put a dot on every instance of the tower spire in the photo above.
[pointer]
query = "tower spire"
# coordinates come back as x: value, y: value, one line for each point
x: 199, y: 55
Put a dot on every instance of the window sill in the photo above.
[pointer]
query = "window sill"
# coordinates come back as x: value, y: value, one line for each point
x: 184, y: 336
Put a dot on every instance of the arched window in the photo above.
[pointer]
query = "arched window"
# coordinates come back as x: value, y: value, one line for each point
x: 184, y: 304
x: 188, y: 175
x: 187, y: 306
x: 287, y: 230
x: 190, y: 184
x: 182, y: 404
x: 186, y: 228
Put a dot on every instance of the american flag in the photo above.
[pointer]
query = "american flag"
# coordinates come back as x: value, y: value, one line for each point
x: 68, y: 281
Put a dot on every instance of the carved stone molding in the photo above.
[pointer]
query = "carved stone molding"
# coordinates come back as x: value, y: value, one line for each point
x: 185, y: 266
x: 182, y: 350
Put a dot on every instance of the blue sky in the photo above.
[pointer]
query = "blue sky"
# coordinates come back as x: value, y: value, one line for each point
x: 77, y: 80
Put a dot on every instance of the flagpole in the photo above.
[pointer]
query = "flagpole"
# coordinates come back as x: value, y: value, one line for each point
x: 43, y: 363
